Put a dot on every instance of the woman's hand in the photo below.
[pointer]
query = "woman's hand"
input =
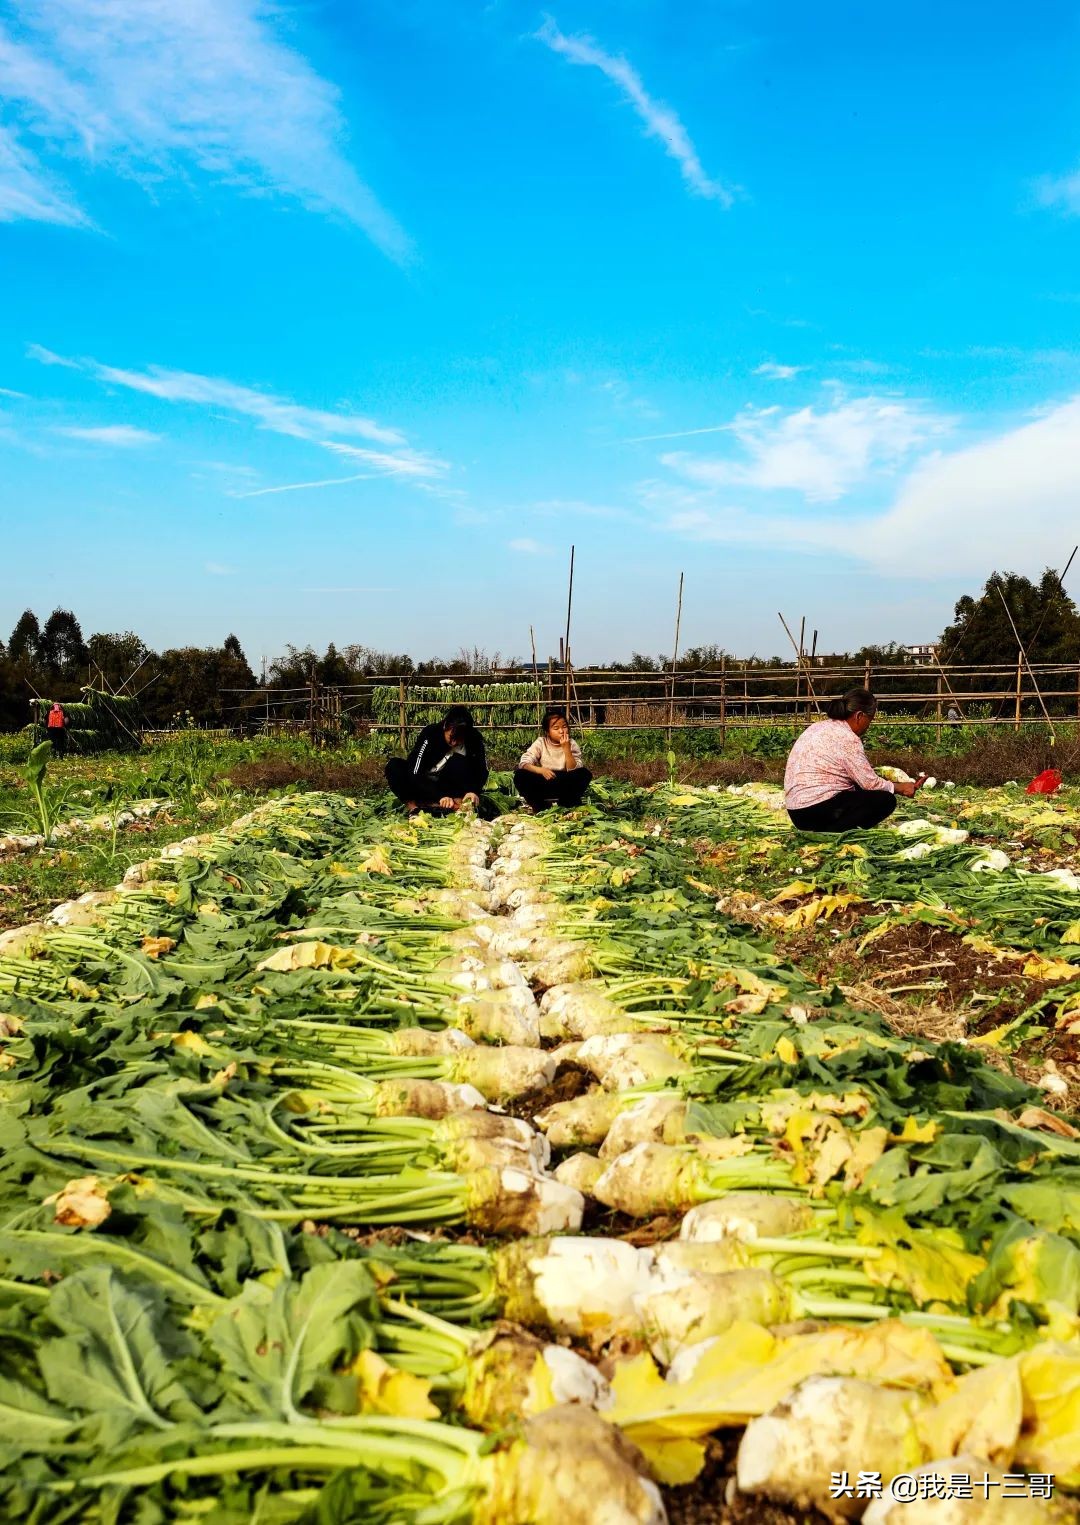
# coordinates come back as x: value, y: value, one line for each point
x: 447, y: 802
x: 471, y: 798
x: 907, y: 790
x: 548, y: 773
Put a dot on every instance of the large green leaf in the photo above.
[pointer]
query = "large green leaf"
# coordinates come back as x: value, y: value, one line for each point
x: 276, y: 1343
x: 118, y: 1352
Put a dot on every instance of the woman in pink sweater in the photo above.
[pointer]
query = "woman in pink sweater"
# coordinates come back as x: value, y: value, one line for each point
x: 828, y: 783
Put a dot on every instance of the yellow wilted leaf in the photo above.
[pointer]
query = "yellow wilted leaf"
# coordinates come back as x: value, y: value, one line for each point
x: 1071, y: 933
x: 980, y: 1417
x: 747, y: 1005
x: 817, y: 910
x: 786, y: 1051
x: 931, y: 1268
x: 869, y: 1147
x: 1038, y: 968
x: 1050, y: 1441
x: 386, y: 1390
x: 995, y: 1038
x: 206, y: 1000
x: 314, y: 955
x: 79, y: 989
x: 81, y: 1204
x: 154, y: 947
x: 376, y: 862
x: 916, y: 1133
x: 794, y: 890
x: 851, y: 850
x: 683, y: 799
x: 696, y: 884
x: 195, y: 1043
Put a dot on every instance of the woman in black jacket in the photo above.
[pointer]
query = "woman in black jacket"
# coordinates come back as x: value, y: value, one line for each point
x: 446, y: 769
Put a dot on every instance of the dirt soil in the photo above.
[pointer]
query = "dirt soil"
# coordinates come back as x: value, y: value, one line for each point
x: 712, y: 1500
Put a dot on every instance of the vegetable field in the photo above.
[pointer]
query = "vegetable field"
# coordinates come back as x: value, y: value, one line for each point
x: 364, y: 1170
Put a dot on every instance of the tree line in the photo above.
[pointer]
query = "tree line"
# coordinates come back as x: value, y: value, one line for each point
x: 203, y: 684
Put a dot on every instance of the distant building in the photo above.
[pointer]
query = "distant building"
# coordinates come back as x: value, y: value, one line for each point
x: 921, y: 653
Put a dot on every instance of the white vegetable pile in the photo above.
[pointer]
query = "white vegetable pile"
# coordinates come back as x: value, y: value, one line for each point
x: 445, y: 976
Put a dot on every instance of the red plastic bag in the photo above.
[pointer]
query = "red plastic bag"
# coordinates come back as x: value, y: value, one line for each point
x: 1048, y: 782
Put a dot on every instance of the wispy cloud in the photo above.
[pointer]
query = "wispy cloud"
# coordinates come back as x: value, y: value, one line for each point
x: 400, y: 463
x: 1059, y: 192
x: 774, y: 372
x: 28, y: 193
x: 117, y: 436
x: 819, y: 453
x: 8, y: 392
x: 262, y: 492
x: 660, y: 121
x: 279, y: 414
x: 45, y: 356
x: 348, y: 590
x: 525, y: 546
x: 154, y: 90
x: 644, y: 439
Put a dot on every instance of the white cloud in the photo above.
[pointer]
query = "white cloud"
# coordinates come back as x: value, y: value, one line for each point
x: 1059, y: 191
x: 821, y: 454
x: 525, y: 546
x: 117, y: 436
x: 45, y: 356
x: 774, y: 372
x: 400, y: 463
x: 262, y: 492
x: 1005, y: 502
x: 279, y: 414
x: 660, y: 121
x: 348, y: 590
x: 8, y: 392
x: 215, y: 569
x: 29, y: 193
x: 156, y: 88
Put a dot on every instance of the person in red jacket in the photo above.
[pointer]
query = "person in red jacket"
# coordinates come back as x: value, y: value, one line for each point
x: 56, y: 729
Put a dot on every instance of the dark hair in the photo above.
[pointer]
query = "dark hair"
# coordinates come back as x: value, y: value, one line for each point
x: 857, y: 701
x: 550, y: 714
x: 458, y: 718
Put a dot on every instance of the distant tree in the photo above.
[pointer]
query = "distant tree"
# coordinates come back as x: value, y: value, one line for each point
x: 1045, y: 615
x: 117, y: 655
x: 25, y: 639
x: 61, y: 648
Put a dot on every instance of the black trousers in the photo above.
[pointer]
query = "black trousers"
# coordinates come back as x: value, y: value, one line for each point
x: 562, y: 789
x: 852, y: 810
x: 422, y: 789
x: 58, y: 737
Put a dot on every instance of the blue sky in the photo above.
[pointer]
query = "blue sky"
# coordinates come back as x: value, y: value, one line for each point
x: 784, y: 297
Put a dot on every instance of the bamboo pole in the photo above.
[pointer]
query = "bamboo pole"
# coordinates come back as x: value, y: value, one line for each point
x: 566, y: 645
x: 1031, y: 675
x: 1019, y: 683
x: 723, y: 699
x: 401, y: 715
x: 536, y: 675
x: 799, y: 655
x: 674, y: 659
x: 813, y: 655
x: 937, y: 730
